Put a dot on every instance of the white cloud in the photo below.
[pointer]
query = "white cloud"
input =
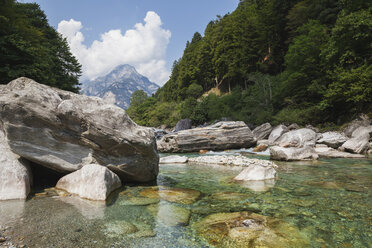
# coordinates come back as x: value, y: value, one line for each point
x: 144, y: 47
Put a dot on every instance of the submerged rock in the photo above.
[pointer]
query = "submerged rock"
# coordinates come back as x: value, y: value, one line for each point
x: 139, y: 201
x: 178, y: 195
x: 93, y: 182
x: 15, y: 173
x: 332, y: 139
x: 174, y: 159
x: 220, y: 136
x: 65, y: 131
x: 89, y: 209
x: 263, y: 131
x: 258, y: 186
x: 292, y: 153
x: 245, y: 229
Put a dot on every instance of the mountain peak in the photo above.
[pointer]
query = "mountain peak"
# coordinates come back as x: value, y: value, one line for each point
x: 118, y: 85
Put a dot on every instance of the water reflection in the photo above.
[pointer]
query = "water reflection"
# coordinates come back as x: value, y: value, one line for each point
x: 258, y: 186
x: 11, y: 211
x: 89, y: 209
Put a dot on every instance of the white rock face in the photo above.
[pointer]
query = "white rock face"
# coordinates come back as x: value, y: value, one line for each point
x: 359, y: 141
x: 15, y: 174
x: 239, y: 161
x: 332, y: 139
x: 220, y: 136
x: 65, y: 131
x: 327, y: 152
x: 257, y: 172
x: 276, y: 133
x: 263, y: 131
x: 298, y: 138
x: 174, y: 159
x: 292, y: 153
x: 94, y: 182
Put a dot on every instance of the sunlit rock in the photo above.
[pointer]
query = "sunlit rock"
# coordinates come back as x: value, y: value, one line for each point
x: 174, y: 159
x: 65, y: 131
x: 94, y: 182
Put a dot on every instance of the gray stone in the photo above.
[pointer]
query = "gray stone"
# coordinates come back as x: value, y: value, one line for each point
x: 293, y: 153
x: 332, y: 139
x: 263, y: 131
x: 93, y: 182
x: 256, y: 172
x: 175, y: 159
x: 298, y: 138
x: 276, y: 133
x: 293, y: 126
x: 312, y: 128
x: 65, y: 131
x: 361, y: 121
x: 327, y: 152
x: 15, y: 174
x: 183, y: 124
x: 359, y: 141
x: 220, y: 136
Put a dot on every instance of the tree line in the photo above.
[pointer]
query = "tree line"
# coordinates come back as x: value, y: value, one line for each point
x: 278, y: 61
x: 30, y: 47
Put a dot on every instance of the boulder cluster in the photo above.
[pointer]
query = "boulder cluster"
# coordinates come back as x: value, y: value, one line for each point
x: 94, y: 144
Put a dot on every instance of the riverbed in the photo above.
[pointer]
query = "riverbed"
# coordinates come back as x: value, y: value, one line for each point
x: 327, y: 203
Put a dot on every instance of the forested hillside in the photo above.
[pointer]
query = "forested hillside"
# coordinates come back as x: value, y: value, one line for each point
x: 30, y: 47
x: 272, y: 60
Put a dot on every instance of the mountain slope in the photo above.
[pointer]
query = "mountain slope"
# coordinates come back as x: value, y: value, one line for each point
x: 117, y: 86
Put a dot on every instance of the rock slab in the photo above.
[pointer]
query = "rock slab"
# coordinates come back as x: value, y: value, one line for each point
x: 15, y: 174
x: 332, y: 139
x: 220, y: 136
x: 93, y: 182
x: 65, y: 131
x: 359, y: 141
x: 276, y: 133
x: 263, y: 131
x: 292, y: 153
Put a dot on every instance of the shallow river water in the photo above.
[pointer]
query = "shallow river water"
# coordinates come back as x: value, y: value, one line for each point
x: 325, y: 203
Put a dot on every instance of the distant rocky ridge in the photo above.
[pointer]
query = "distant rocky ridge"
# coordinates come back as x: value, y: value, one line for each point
x: 117, y: 86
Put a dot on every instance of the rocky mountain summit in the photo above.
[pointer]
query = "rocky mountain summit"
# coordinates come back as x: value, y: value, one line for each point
x: 117, y: 86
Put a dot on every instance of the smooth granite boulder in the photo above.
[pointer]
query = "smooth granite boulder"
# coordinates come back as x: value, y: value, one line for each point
x: 332, y: 139
x: 220, y: 136
x: 175, y: 159
x: 256, y: 173
x: 65, y: 131
x: 362, y: 121
x: 183, y: 124
x: 298, y: 138
x: 327, y: 152
x: 15, y: 174
x: 276, y: 133
x: 292, y: 153
x: 359, y: 141
x: 263, y: 131
x: 93, y: 182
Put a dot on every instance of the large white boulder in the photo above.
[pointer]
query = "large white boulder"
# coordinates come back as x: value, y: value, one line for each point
x: 15, y: 174
x: 276, y: 133
x: 94, y: 182
x: 174, y: 159
x: 327, y: 152
x: 332, y: 139
x: 292, y: 153
x: 263, y: 131
x: 65, y: 131
x: 298, y: 138
x: 256, y: 172
x: 359, y: 141
x: 220, y: 136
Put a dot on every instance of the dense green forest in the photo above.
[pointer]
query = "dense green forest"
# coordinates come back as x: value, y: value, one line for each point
x: 278, y: 61
x: 30, y: 47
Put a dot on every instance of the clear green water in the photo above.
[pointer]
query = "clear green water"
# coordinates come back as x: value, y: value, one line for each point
x: 329, y: 201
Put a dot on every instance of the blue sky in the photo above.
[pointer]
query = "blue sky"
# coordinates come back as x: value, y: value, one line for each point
x: 92, y: 18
